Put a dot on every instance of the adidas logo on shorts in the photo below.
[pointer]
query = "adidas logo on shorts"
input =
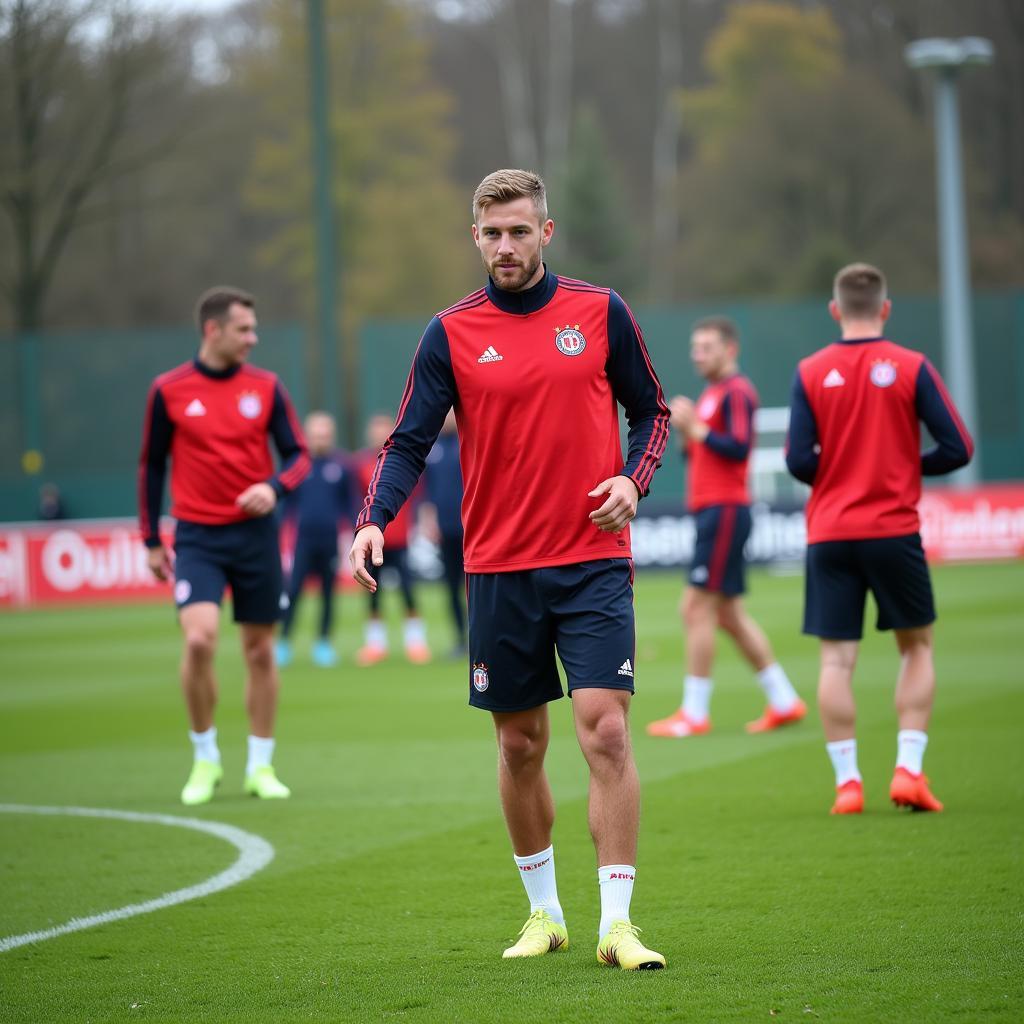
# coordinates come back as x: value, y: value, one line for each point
x: 626, y: 668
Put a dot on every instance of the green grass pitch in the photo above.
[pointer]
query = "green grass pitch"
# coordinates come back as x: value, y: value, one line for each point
x: 393, y: 891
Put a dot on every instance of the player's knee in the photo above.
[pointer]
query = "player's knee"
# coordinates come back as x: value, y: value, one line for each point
x: 520, y: 748
x: 259, y: 652
x: 607, y: 739
x: 200, y: 643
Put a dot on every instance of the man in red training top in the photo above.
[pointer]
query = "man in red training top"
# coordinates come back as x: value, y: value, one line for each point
x: 855, y: 437
x: 213, y: 416
x: 717, y: 435
x: 534, y: 366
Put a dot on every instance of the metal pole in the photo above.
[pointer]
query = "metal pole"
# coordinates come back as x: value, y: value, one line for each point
x: 323, y: 212
x: 957, y: 333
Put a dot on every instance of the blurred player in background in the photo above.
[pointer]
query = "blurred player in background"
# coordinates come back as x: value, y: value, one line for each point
x: 441, y: 522
x: 534, y: 366
x: 318, y: 506
x: 855, y: 437
x: 214, y: 417
x: 396, y: 558
x: 717, y: 436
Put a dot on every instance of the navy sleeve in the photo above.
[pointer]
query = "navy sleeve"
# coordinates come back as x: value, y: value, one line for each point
x: 637, y: 388
x: 802, y: 450
x: 953, y: 444
x: 734, y: 442
x: 429, y: 394
x: 291, y: 445
x: 156, y: 447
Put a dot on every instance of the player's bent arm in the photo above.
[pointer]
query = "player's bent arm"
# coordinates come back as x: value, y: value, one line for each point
x: 290, y: 443
x: 637, y: 389
x: 953, y: 444
x: 734, y: 442
x: 802, y: 452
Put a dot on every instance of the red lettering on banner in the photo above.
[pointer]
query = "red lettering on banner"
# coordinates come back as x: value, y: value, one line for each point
x: 977, y: 524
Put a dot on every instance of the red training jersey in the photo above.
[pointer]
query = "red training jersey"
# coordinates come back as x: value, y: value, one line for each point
x: 718, y: 465
x: 215, y: 426
x: 534, y: 377
x: 855, y: 436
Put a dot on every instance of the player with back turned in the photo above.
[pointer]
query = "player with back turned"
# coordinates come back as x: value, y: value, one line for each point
x: 534, y: 366
x: 855, y: 437
x: 214, y: 417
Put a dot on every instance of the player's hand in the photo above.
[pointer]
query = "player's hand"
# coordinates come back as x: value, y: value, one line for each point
x: 367, y: 543
x: 258, y: 500
x: 159, y: 562
x: 620, y: 506
x: 682, y: 413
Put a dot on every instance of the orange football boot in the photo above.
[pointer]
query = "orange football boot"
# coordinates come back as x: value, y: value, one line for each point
x: 418, y: 654
x: 679, y: 725
x: 849, y: 798
x: 772, y: 719
x: 910, y: 790
x: 370, y: 655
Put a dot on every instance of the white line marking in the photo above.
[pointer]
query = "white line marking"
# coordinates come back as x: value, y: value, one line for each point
x: 254, y: 854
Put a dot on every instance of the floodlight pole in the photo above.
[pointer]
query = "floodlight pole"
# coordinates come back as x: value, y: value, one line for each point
x: 946, y: 57
x: 323, y: 210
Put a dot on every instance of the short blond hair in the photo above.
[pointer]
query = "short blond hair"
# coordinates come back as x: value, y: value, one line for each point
x: 507, y: 185
x: 860, y: 290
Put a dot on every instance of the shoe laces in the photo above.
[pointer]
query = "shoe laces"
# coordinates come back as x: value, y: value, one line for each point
x: 536, y: 918
x: 620, y: 929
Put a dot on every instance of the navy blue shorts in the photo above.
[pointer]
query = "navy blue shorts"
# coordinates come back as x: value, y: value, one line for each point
x: 244, y: 556
x: 841, y: 572
x: 519, y: 620
x: 718, y: 564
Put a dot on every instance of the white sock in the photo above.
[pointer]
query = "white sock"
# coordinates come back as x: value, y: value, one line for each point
x: 415, y: 633
x: 538, y: 874
x: 204, y: 745
x: 616, y: 881
x: 377, y: 634
x: 261, y: 753
x: 697, y: 697
x: 910, y: 748
x: 777, y: 688
x: 844, y: 760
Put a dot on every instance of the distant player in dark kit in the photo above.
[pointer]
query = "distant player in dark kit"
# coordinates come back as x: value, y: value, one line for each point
x: 396, y: 558
x: 855, y: 437
x: 717, y: 436
x: 441, y: 521
x: 214, y: 417
x: 534, y: 366
x: 318, y: 506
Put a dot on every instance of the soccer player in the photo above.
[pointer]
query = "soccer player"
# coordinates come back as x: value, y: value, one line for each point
x: 717, y: 436
x: 213, y: 416
x: 855, y: 437
x: 534, y: 365
x: 318, y: 505
x: 441, y: 521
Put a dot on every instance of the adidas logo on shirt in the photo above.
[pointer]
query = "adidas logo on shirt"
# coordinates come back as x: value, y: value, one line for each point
x: 490, y: 356
x: 195, y: 408
x: 834, y: 379
x: 626, y: 668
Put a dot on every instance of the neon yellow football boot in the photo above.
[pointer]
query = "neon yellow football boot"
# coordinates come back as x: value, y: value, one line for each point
x: 265, y: 784
x: 622, y: 947
x: 541, y: 934
x: 202, y: 781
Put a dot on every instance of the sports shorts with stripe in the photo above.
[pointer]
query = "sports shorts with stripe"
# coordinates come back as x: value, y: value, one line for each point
x: 718, y: 564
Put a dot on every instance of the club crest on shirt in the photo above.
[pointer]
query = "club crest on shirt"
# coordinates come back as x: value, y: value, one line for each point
x: 883, y: 373
x: 706, y: 407
x: 569, y: 341
x: 331, y: 472
x: 480, y: 678
x: 250, y: 405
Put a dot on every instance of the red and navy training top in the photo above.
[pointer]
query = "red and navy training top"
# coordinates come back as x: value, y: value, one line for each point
x: 534, y: 377
x: 717, y: 472
x: 855, y: 437
x: 215, y: 425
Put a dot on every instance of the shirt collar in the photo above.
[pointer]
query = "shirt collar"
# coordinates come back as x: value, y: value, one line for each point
x: 209, y: 371
x: 528, y: 301
x: 858, y: 341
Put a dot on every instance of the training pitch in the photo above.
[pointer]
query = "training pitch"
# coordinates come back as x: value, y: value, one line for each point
x: 385, y: 888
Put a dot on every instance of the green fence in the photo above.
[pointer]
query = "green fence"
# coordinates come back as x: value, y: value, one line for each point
x: 78, y: 397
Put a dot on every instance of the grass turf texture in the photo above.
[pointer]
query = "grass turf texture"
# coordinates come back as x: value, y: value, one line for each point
x: 393, y: 891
